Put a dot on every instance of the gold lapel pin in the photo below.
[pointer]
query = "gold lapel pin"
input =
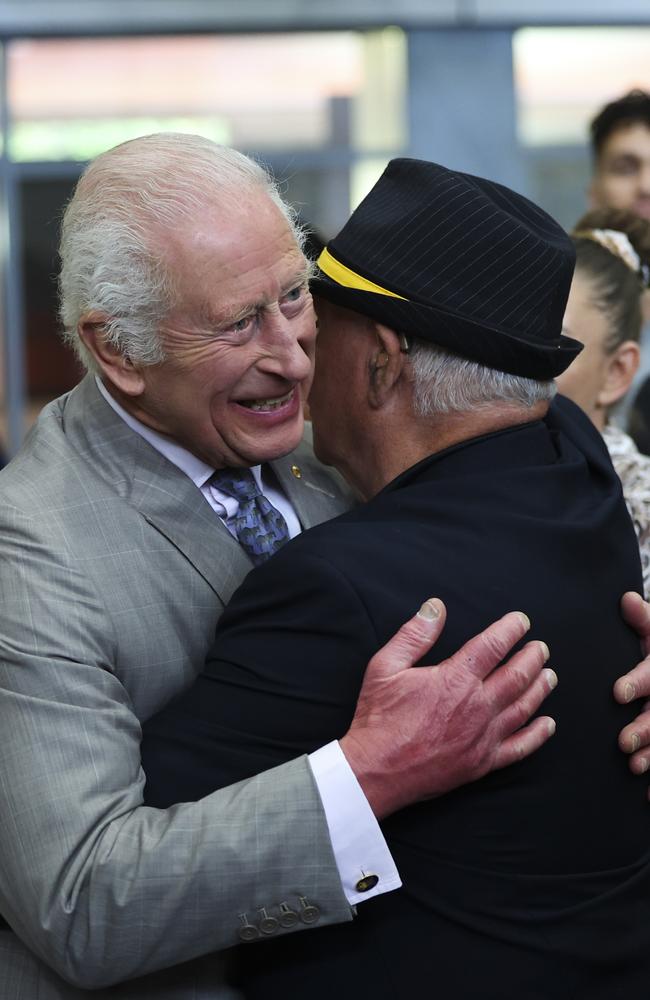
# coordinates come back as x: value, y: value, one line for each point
x: 297, y: 471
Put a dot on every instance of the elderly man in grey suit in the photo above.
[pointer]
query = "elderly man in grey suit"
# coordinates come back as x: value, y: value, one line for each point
x: 126, y: 521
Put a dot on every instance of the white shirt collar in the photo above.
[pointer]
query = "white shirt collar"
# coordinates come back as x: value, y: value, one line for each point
x: 197, y: 470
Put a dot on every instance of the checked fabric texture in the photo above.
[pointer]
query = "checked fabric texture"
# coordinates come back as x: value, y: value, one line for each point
x: 260, y: 528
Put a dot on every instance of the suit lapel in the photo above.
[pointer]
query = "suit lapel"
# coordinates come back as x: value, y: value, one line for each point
x: 169, y: 500
x: 316, y: 493
x: 165, y: 496
x: 177, y: 508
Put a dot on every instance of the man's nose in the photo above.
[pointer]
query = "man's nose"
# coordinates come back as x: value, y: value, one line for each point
x: 290, y: 347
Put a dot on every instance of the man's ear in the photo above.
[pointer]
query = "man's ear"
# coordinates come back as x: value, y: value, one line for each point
x: 622, y: 366
x: 116, y: 368
x: 386, y: 365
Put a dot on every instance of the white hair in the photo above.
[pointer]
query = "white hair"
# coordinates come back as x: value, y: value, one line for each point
x: 446, y: 383
x: 112, y: 247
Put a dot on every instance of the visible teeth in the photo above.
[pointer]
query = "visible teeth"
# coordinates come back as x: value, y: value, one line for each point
x: 268, y: 404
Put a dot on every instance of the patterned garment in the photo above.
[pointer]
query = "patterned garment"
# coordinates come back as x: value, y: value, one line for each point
x: 633, y: 470
x: 259, y: 527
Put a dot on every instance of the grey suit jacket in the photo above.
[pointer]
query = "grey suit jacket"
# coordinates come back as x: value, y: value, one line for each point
x: 113, y: 573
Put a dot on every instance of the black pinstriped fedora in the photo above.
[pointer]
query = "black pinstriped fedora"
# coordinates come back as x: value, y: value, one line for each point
x: 460, y: 261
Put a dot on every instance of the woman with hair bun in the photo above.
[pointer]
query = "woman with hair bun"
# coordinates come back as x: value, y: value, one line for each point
x: 604, y: 313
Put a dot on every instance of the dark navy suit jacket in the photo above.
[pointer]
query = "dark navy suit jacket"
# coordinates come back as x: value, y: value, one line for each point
x: 531, y: 883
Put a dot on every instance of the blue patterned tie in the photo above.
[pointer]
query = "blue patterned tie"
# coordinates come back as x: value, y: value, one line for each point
x: 260, y: 528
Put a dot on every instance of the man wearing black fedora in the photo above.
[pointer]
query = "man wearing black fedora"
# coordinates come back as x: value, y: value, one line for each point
x: 440, y: 309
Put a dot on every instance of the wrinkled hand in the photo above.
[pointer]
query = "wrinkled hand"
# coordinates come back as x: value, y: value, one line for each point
x: 417, y: 734
x: 635, y: 738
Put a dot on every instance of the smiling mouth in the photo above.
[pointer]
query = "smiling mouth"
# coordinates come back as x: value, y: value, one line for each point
x: 267, y: 405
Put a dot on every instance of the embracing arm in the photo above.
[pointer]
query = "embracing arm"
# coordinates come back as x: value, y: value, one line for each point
x: 99, y: 886
x: 417, y: 734
x: 285, y: 674
x: 104, y: 888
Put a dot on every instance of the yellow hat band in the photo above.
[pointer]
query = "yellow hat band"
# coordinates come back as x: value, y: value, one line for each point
x: 342, y: 275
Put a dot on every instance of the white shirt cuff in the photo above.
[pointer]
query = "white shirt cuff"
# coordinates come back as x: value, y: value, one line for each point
x: 359, y: 846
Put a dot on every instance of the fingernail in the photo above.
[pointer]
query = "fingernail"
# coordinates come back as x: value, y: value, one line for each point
x: 629, y: 693
x: 525, y: 620
x: 545, y: 653
x: 635, y: 742
x: 550, y: 726
x: 643, y: 765
x: 429, y: 611
x: 551, y: 678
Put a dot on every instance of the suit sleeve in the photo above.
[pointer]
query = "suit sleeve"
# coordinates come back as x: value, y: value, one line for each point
x: 282, y: 679
x: 100, y: 886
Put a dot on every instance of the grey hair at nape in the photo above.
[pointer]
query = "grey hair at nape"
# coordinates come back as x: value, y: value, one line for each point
x: 447, y: 383
x: 112, y: 235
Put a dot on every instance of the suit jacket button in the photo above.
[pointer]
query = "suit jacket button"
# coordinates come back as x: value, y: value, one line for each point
x: 366, y: 883
x: 288, y: 917
x: 308, y: 914
x: 247, y: 931
x: 268, y: 925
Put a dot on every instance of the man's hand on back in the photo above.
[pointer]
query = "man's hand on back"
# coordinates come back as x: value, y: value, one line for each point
x: 635, y: 738
x: 417, y: 734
